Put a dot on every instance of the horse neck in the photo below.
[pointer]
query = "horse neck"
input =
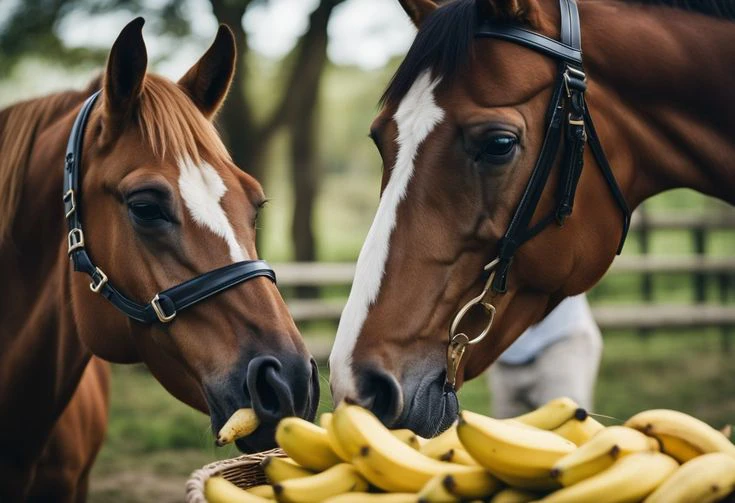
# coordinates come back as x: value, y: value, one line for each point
x: 41, y: 356
x: 661, y: 94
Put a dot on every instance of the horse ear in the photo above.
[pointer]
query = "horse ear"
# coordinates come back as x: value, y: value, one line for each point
x: 418, y: 10
x: 124, y: 75
x: 525, y: 12
x: 208, y: 81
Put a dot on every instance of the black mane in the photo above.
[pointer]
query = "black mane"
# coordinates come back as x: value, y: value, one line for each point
x: 444, y: 41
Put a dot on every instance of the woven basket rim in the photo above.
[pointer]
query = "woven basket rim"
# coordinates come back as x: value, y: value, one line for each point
x: 198, y: 478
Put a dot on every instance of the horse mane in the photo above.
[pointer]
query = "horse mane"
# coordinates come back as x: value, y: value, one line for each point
x: 172, y: 125
x: 20, y: 125
x: 444, y: 41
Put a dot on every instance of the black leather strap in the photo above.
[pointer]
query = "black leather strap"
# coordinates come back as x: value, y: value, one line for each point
x: 567, y: 121
x: 166, y: 304
x: 532, y: 40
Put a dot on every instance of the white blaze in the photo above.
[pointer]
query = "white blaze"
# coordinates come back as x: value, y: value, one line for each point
x: 417, y: 115
x: 202, y: 189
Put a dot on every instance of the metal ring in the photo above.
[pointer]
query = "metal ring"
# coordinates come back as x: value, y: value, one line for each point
x: 162, y: 317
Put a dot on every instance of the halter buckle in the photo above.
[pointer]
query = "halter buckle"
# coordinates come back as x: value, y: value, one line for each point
x: 162, y: 316
x: 74, y: 240
x: 70, y: 199
x: 574, y: 80
x: 96, y: 286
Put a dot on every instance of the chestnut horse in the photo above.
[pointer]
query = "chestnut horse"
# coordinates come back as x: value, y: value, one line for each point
x: 62, y: 473
x: 460, y: 132
x: 161, y: 203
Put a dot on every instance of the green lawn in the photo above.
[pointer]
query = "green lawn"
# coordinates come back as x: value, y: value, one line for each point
x: 154, y: 442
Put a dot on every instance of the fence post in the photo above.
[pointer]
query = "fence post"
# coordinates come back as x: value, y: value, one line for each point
x: 699, y: 279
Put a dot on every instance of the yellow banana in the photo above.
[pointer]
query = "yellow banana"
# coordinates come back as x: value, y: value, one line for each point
x: 508, y: 450
x: 438, y: 446
x: 579, y: 430
x: 471, y: 485
x: 630, y: 479
x: 599, y: 453
x: 434, y: 491
x: 552, y: 414
x: 407, y: 437
x: 338, y: 479
x: 241, y: 424
x: 705, y: 479
x: 459, y: 456
x: 306, y: 443
x: 374, y: 498
x: 326, y: 422
x: 219, y: 490
x: 279, y: 469
x: 695, y: 437
x: 384, y: 460
x: 512, y: 495
x: 264, y: 491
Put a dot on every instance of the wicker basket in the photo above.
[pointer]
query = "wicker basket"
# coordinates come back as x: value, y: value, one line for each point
x: 243, y: 471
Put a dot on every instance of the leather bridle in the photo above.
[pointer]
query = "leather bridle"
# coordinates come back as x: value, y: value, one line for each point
x: 567, y: 120
x: 165, y: 304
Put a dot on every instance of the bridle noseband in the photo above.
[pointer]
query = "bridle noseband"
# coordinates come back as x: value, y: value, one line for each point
x: 165, y: 304
x: 567, y: 120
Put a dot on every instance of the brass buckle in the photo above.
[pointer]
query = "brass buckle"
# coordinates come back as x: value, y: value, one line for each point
x: 458, y: 342
x: 155, y: 303
x: 75, y: 240
x: 96, y: 287
x: 69, y: 196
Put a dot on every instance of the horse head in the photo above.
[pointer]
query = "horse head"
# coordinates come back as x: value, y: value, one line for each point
x: 460, y: 131
x: 161, y: 203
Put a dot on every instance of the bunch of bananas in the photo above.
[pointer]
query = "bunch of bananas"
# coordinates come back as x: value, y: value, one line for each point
x: 555, y: 454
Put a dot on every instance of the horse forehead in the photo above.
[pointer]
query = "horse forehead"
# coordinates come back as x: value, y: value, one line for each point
x: 202, y: 190
x: 416, y: 117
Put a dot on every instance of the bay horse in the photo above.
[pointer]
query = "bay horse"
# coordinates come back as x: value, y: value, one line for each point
x: 146, y: 201
x: 486, y: 136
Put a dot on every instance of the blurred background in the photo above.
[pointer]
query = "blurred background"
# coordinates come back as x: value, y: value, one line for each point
x: 310, y: 73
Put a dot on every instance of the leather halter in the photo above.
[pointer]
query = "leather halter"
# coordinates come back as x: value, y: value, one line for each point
x: 166, y: 304
x: 567, y: 120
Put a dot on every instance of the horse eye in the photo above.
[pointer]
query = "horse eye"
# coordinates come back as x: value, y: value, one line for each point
x: 498, y: 149
x: 146, y: 211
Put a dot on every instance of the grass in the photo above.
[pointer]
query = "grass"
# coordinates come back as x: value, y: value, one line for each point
x: 154, y: 442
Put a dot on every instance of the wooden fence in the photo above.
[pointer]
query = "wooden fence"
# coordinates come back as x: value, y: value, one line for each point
x: 644, y: 316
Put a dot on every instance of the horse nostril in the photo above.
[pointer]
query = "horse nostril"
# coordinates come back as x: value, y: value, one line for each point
x: 381, y: 393
x: 269, y: 392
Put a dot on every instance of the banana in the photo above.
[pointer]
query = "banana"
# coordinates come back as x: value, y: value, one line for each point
x: 630, y: 479
x: 438, y: 446
x: 434, y: 491
x: 471, y: 485
x: 306, y: 443
x: 338, y: 479
x: 579, y: 429
x: 278, y: 469
x: 241, y: 424
x: 374, y: 497
x: 512, y: 495
x: 691, y: 436
x: 459, y: 456
x: 326, y: 422
x: 384, y: 460
x: 407, y: 437
x: 600, y: 452
x: 219, y: 490
x: 705, y: 479
x: 511, y: 451
x: 264, y: 491
x: 552, y: 414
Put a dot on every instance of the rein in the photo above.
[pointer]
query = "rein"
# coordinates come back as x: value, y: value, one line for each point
x: 166, y: 304
x: 568, y: 120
